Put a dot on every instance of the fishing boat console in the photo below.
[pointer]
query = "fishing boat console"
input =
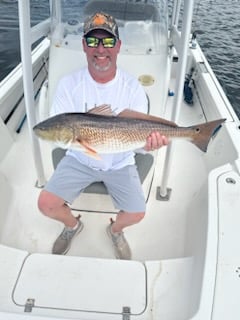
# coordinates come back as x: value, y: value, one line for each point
x: 185, y: 251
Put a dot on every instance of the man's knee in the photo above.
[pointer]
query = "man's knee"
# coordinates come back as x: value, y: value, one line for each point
x: 133, y: 217
x: 43, y: 202
x: 47, y: 202
x: 139, y: 216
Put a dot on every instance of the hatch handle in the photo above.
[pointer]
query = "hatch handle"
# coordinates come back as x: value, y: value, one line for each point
x: 29, y: 305
x: 126, y: 312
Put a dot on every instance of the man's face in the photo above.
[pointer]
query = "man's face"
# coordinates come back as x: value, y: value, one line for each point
x: 101, y: 61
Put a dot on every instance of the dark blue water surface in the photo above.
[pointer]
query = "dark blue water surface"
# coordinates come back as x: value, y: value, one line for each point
x: 217, y: 23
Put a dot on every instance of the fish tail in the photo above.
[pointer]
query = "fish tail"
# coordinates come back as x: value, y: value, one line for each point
x: 204, y: 132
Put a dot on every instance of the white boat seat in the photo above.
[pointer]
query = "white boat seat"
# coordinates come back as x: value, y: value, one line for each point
x: 144, y: 163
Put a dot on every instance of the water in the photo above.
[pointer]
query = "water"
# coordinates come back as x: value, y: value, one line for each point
x: 217, y: 23
x: 9, y: 31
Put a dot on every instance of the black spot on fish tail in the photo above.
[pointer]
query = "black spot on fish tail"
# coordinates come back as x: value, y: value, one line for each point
x: 204, y: 132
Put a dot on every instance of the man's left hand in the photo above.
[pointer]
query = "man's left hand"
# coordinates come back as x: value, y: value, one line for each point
x: 155, y: 141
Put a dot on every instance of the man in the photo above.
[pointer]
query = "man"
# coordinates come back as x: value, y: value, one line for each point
x: 101, y: 82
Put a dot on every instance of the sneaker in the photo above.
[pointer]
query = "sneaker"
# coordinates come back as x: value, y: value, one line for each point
x: 63, y: 242
x: 120, y: 245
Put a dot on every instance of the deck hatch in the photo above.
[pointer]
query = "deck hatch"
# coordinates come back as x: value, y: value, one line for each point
x: 82, y: 284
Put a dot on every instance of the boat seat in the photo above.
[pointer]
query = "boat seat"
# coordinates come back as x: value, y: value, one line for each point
x: 144, y: 163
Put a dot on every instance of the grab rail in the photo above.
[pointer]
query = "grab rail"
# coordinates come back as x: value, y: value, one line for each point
x: 27, y: 37
x: 182, y: 44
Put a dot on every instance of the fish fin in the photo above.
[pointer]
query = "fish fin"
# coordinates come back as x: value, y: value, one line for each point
x: 204, y: 132
x: 127, y: 113
x: 104, y: 109
x: 88, y: 150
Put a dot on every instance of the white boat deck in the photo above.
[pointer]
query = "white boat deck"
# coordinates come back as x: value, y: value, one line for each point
x: 159, y: 243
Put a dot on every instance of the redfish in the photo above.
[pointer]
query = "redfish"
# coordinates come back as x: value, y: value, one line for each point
x: 100, y: 133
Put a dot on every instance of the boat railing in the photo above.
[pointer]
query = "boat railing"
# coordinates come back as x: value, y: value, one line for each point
x: 29, y: 35
x: 180, y: 41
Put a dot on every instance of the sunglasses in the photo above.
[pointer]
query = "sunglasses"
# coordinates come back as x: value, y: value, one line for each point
x: 93, y: 42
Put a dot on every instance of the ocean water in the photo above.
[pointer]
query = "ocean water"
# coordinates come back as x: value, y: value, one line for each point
x: 217, y: 23
x: 218, y: 27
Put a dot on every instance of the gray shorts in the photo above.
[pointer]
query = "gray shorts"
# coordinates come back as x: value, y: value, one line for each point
x: 124, y: 186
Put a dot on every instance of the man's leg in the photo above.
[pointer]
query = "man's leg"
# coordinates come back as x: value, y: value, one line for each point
x: 125, y: 219
x: 66, y: 183
x: 126, y: 191
x: 115, y: 232
x: 55, y: 207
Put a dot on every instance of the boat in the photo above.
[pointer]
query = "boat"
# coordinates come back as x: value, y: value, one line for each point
x: 185, y: 261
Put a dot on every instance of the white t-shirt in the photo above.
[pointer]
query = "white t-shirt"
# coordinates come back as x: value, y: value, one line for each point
x: 78, y: 92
